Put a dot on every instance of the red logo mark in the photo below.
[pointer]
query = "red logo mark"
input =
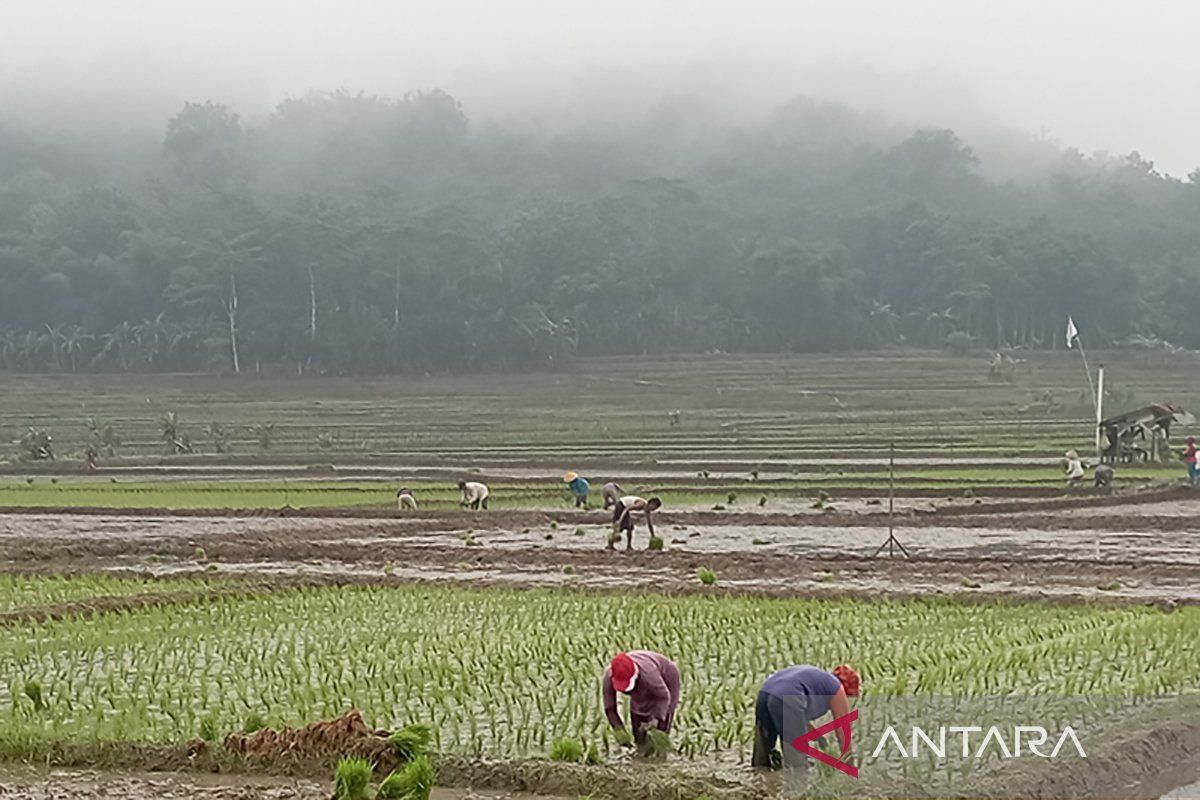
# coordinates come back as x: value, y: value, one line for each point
x: 801, y: 743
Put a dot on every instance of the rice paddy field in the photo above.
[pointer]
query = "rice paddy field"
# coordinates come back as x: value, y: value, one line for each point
x: 165, y: 600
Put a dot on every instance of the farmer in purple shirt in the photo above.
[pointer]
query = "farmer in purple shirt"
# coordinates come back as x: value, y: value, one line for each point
x: 652, y: 682
x: 788, y: 703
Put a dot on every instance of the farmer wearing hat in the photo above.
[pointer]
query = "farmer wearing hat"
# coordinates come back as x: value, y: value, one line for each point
x: 579, y: 488
x: 652, y: 682
x: 790, y: 700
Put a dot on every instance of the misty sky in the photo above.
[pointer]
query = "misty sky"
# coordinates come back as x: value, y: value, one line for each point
x: 1097, y: 75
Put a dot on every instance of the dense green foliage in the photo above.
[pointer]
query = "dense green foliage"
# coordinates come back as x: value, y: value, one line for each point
x: 351, y: 233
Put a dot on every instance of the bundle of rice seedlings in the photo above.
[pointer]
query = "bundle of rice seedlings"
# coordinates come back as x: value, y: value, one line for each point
x: 658, y: 744
x: 352, y: 779
x: 411, y: 741
x: 413, y: 782
x: 706, y: 576
x: 567, y: 750
x: 656, y: 543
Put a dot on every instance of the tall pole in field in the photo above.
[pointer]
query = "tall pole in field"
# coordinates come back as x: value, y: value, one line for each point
x: 1099, y: 411
x: 891, y: 543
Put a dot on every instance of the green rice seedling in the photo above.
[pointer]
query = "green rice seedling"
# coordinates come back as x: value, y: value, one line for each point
x: 208, y: 728
x: 568, y: 570
x: 200, y: 554
x: 731, y: 497
x: 254, y: 722
x: 706, y: 576
x: 622, y: 736
x: 592, y: 756
x: 658, y: 744
x: 33, y: 690
x: 656, y: 543
x: 758, y: 541
x: 579, y: 532
x: 570, y: 750
x: 352, y: 779
x: 413, y: 782
x: 553, y: 526
x: 411, y: 741
x: 762, y: 500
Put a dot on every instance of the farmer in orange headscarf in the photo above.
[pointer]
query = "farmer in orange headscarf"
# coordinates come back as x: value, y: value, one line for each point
x: 788, y: 703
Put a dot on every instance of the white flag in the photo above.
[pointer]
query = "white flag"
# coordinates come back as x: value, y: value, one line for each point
x: 1072, y: 333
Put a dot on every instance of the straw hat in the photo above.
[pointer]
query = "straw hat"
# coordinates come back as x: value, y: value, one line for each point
x: 570, y: 476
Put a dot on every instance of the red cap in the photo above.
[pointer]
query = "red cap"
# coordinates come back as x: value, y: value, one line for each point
x: 624, y: 673
x: 849, y: 679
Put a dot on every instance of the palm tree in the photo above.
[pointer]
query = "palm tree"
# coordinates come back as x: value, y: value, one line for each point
x: 9, y: 347
x: 118, y: 343
x: 72, y: 343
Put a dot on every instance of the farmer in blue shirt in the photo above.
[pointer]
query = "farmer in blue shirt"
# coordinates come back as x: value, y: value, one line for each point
x: 788, y: 703
x: 579, y: 488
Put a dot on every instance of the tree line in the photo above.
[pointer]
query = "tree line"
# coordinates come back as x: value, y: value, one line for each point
x: 352, y: 233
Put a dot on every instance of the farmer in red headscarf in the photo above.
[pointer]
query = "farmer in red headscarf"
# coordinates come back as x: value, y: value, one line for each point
x: 652, y: 682
x: 788, y: 703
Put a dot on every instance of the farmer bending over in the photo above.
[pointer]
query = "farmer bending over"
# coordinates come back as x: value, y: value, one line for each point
x: 788, y: 703
x: 405, y: 500
x: 474, y: 495
x: 1103, y: 477
x: 623, y: 513
x: 579, y: 487
x: 612, y: 495
x: 652, y: 682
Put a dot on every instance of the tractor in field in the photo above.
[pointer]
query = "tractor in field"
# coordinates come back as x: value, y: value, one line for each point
x: 1143, y: 434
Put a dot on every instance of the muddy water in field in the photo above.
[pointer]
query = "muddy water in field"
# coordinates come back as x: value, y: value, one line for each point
x: 1156, y: 558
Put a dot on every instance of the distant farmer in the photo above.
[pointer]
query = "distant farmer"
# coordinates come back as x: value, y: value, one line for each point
x: 1189, y: 456
x: 1103, y: 477
x: 579, y: 487
x: 405, y: 500
x: 790, y: 700
x: 1074, y: 468
x: 623, y: 513
x: 612, y: 495
x: 652, y: 682
x: 474, y: 495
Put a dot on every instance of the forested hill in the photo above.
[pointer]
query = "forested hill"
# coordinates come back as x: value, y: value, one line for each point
x: 349, y: 233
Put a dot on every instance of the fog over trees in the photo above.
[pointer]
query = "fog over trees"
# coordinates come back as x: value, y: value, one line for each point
x: 346, y: 232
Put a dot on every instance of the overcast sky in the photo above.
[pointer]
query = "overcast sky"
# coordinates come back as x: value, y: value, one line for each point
x: 1097, y: 75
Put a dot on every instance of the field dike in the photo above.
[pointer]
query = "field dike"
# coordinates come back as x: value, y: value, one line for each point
x: 1145, y: 762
